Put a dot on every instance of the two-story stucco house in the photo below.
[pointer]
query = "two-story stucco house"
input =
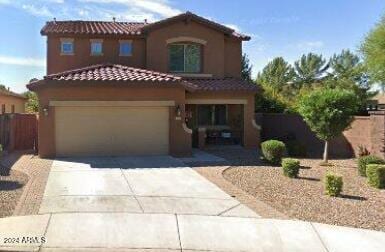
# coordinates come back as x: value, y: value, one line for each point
x: 119, y: 88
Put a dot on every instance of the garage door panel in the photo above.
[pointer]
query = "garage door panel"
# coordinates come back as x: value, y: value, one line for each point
x: 111, y: 131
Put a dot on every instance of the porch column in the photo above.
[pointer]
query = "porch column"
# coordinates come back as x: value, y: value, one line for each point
x: 251, y: 130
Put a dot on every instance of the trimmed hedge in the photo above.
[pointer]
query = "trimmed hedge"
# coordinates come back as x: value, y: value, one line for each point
x: 333, y: 184
x: 273, y: 150
x: 365, y: 160
x: 376, y: 175
x: 290, y: 167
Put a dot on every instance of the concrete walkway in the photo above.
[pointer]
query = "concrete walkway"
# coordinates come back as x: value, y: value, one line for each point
x: 159, y: 204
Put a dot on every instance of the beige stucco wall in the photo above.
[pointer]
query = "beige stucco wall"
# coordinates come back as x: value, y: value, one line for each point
x: 82, y: 53
x: 11, y: 100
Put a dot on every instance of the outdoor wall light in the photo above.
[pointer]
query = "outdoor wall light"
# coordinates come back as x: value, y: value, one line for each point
x: 178, y: 111
x: 45, y: 111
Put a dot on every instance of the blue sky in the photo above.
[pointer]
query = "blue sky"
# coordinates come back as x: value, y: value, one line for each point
x: 285, y: 28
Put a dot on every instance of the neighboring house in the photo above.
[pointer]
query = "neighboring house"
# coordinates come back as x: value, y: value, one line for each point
x: 377, y: 102
x: 11, y: 102
x: 120, y: 88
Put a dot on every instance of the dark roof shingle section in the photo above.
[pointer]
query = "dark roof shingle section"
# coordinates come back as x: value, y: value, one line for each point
x: 92, y: 28
x: 112, y: 72
x: 222, y: 84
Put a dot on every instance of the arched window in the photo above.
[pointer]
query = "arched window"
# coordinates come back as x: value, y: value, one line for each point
x: 185, y: 57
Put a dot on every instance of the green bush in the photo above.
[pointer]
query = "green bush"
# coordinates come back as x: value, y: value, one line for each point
x: 296, y: 149
x: 333, y: 184
x: 290, y: 167
x: 376, y: 175
x: 273, y: 150
x: 365, y: 160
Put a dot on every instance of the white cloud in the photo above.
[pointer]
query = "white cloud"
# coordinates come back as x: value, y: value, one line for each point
x: 9, y: 60
x: 233, y: 26
x: 159, y: 7
x: 37, y: 11
x: 310, y: 45
x: 5, y: 2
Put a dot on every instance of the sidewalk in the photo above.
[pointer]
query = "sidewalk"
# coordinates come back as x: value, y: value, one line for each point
x: 174, y: 232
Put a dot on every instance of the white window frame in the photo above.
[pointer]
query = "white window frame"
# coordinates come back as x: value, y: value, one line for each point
x: 96, y: 41
x: 64, y: 41
x: 120, y: 48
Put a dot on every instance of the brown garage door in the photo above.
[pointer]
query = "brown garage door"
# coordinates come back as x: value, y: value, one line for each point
x: 105, y: 131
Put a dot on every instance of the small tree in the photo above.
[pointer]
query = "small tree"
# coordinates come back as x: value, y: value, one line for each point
x: 32, y: 105
x: 246, y: 68
x: 328, y: 112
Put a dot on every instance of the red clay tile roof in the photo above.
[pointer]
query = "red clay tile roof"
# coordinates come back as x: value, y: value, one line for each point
x: 126, y: 28
x: 191, y: 16
x: 92, y: 28
x: 224, y: 84
x: 125, y: 74
x: 112, y: 72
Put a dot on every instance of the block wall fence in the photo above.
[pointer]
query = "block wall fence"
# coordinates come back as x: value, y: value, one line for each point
x: 366, y: 131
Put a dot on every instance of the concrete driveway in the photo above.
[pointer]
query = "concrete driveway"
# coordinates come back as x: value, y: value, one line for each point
x: 158, y: 204
x: 157, y: 184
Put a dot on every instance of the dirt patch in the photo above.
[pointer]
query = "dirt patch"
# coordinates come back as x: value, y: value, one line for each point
x: 11, y: 188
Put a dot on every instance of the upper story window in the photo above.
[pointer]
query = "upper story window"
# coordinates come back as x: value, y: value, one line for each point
x: 96, y: 47
x: 185, y: 58
x: 67, y: 47
x: 125, y: 48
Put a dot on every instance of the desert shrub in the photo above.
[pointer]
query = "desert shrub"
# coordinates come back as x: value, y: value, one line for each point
x: 376, y: 175
x: 273, y: 150
x: 295, y: 149
x: 290, y: 167
x: 365, y: 160
x: 333, y: 184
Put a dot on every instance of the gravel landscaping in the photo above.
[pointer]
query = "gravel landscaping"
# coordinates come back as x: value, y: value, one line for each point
x: 11, y: 188
x: 303, y: 198
x: 23, y: 190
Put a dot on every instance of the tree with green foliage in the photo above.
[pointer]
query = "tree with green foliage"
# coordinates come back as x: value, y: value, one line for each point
x: 373, y: 50
x: 32, y: 105
x: 275, y: 76
x: 246, y: 68
x: 348, y: 72
x: 3, y: 87
x: 309, y: 69
x: 328, y: 112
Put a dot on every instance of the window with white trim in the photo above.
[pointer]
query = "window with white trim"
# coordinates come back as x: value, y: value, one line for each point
x: 96, y: 48
x: 125, y: 48
x: 67, y: 47
x: 185, y: 58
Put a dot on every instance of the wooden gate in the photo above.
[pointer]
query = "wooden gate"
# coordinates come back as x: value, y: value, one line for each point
x: 18, y: 131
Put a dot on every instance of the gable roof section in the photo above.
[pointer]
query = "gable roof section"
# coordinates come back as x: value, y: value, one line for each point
x: 13, y: 94
x: 114, y: 73
x: 107, y: 73
x: 79, y: 27
x: 188, y: 16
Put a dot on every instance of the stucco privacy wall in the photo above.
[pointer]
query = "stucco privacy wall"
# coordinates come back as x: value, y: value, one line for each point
x: 366, y: 131
x: 11, y: 100
x: 214, y: 60
x: 180, y: 140
x: 251, y: 135
x: 82, y: 53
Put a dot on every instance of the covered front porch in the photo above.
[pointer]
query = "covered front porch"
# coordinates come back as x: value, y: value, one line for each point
x: 215, y: 124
